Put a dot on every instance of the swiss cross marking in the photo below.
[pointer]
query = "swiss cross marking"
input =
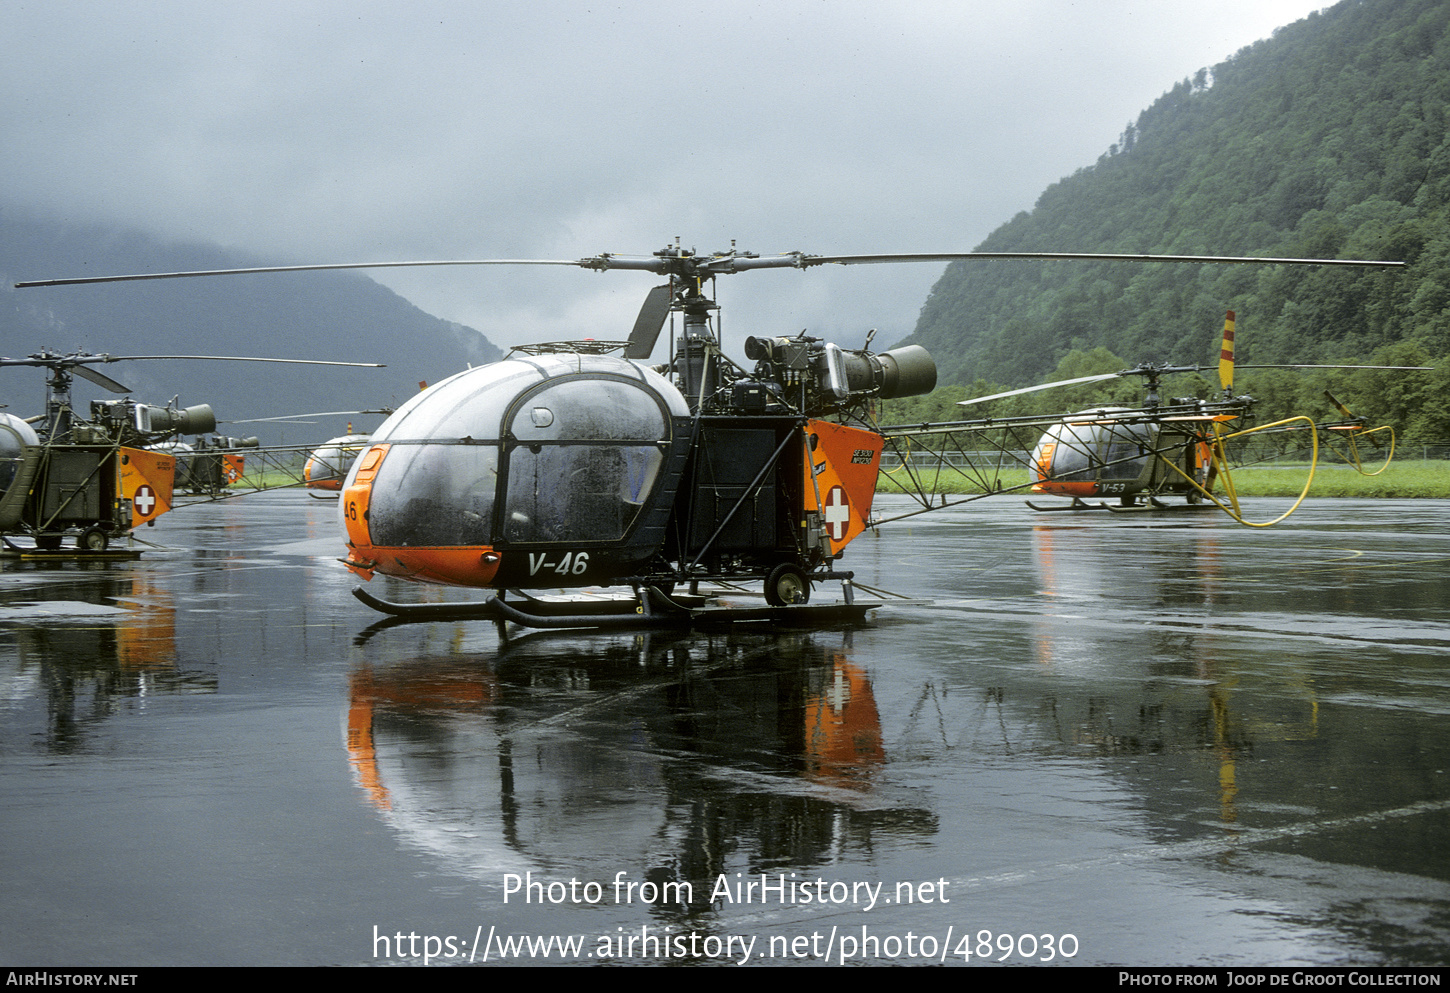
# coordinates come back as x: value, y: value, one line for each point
x: 144, y: 500
x: 838, y: 513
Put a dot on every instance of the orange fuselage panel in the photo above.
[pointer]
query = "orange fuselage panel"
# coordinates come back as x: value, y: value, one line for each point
x: 841, y: 477
x: 146, y: 482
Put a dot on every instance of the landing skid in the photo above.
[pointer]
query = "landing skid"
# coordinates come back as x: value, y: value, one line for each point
x: 484, y: 610
x: 652, y: 609
x: 1076, y: 504
x: 1152, y: 504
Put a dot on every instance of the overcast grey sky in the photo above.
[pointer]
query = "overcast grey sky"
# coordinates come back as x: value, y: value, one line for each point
x: 363, y: 130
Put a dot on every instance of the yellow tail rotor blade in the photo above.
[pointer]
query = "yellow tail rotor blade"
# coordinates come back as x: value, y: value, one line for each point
x: 1338, y: 406
x: 1226, y: 355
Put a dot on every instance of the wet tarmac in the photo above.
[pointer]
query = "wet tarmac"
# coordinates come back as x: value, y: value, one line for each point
x: 1098, y: 739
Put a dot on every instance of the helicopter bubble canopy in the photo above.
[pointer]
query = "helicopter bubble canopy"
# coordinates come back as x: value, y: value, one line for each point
x: 15, y: 437
x: 561, y: 449
x: 329, y: 462
x: 1090, y: 446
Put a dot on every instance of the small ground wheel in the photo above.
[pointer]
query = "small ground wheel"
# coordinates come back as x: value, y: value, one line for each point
x: 94, y: 540
x: 786, y: 585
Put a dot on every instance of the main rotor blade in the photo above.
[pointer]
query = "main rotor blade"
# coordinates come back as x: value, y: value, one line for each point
x: 79, y: 280
x: 1042, y: 386
x: 649, y: 323
x: 1176, y: 370
x: 685, y: 264
x: 103, y: 381
x: 1400, y: 368
x: 233, y: 358
x: 315, y: 413
x: 811, y: 260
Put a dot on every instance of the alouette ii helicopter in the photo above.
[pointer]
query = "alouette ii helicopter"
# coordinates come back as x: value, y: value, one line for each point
x: 1132, y: 455
x: 1117, y: 453
x: 328, y: 464
x: 98, y: 478
x: 576, y: 464
x: 325, y: 466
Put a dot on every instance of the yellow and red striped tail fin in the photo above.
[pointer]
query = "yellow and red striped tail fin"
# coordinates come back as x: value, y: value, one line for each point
x: 1226, y: 355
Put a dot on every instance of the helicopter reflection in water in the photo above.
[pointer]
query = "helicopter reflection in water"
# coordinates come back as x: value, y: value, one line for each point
x: 90, y: 659
x: 1182, y: 700
x: 760, y: 747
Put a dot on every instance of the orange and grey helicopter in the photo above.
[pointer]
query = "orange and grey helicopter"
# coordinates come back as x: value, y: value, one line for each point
x: 328, y: 464
x: 1133, y: 456
x: 1180, y: 446
x: 578, y: 464
x: 324, y: 466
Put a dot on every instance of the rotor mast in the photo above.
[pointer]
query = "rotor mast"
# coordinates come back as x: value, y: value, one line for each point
x: 698, y: 351
x: 57, y: 404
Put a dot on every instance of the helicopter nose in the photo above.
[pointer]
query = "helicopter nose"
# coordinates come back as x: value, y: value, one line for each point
x: 465, y: 565
x: 357, y: 496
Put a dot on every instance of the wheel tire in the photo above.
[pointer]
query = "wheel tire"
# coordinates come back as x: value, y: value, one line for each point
x: 47, y: 542
x: 94, y: 540
x: 787, y: 585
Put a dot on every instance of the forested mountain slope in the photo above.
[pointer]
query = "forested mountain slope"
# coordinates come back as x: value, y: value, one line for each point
x: 1328, y: 140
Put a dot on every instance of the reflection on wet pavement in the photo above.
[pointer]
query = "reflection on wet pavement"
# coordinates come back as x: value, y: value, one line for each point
x: 1134, y: 740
